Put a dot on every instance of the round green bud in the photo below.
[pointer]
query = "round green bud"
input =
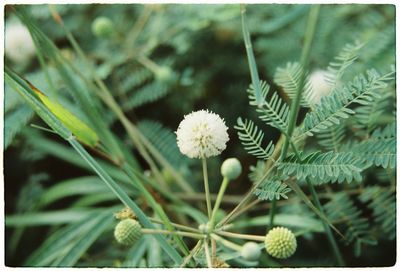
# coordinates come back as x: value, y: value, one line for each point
x: 102, y: 27
x: 165, y: 74
x: 231, y: 168
x: 250, y: 251
x: 128, y: 232
x: 280, y: 243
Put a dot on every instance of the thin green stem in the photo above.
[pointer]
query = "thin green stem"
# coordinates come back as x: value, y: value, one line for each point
x: 245, y: 208
x: 226, y: 243
x: 328, y: 230
x: 242, y: 236
x: 181, y: 233
x: 250, y: 57
x: 245, y: 199
x: 191, y: 254
x: 206, y: 187
x: 221, y: 193
x: 304, y: 60
x: 208, y: 255
x: 272, y: 213
x: 178, y: 226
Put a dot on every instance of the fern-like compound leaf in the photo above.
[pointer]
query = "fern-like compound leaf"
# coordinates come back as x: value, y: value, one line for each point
x: 251, y: 138
x: 322, y: 168
x: 274, y: 111
x: 272, y: 189
x: 289, y: 79
x: 369, y: 116
x: 149, y: 93
x: 342, y: 208
x: 383, y: 203
x: 362, y: 90
x: 332, y: 138
x: 380, y: 148
x: 346, y: 57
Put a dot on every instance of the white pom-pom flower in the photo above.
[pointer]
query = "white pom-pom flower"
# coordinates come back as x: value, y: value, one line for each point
x: 19, y: 46
x: 320, y: 87
x: 202, y: 134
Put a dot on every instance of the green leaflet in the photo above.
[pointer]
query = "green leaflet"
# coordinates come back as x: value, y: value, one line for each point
x: 380, y: 148
x: 273, y: 111
x: 251, y: 138
x: 323, y: 167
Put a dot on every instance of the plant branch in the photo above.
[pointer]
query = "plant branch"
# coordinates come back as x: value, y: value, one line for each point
x: 181, y: 233
x: 242, y: 236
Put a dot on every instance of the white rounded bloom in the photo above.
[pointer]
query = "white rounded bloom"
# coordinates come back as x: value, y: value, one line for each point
x: 19, y: 46
x: 320, y: 87
x: 202, y: 134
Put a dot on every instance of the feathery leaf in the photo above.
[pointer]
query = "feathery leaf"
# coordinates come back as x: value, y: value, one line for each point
x: 274, y: 111
x: 251, y: 138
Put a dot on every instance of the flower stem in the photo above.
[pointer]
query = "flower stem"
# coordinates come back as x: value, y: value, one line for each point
x: 242, y: 236
x: 221, y: 193
x: 226, y: 243
x: 272, y: 213
x: 208, y: 255
x: 181, y: 233
x: 192, y: 252
x: 245, y: 199
x: 328, y: 230
x: 179, y: 226
x: 206, y: 188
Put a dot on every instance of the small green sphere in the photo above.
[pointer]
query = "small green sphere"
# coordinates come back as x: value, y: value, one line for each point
x: 250, y: 251
x: 280, y: 243
x: 128, y: 232
x: 231, y: 168
x: 165, y: 74
x: 102, y: 27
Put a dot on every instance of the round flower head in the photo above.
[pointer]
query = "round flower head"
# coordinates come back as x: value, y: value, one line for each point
x: 280, y: 243
x: 231, y: 168
x: 250, y: 251
x: 128, y: 232
x: 19, y: 46
x: 202, y: 134
x: 319, y: 86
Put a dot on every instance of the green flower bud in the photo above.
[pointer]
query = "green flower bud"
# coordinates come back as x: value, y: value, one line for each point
x: 250, y: 251
x: 280, y: 243
x: 231, y: 168
x: 128, y: 232
x: 165, y: 74
x: 102, y: 27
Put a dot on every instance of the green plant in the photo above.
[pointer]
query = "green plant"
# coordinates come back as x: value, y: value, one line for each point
x: 112, y: 90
